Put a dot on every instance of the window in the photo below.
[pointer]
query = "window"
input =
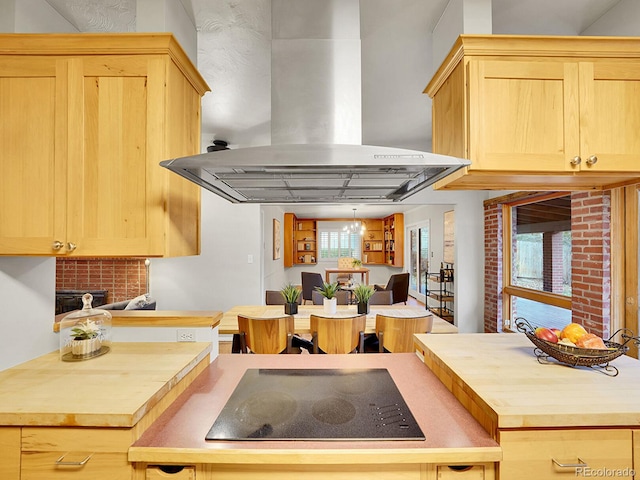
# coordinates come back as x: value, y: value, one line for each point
x: 335, y: 242
x: 537, y: 267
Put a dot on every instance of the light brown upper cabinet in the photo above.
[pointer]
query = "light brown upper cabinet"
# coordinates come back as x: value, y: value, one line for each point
x: 543, y: 113
x: 84, y: 122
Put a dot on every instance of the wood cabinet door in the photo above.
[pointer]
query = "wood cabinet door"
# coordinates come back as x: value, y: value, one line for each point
x: 10, y: 457
x: 531, y: 454
x: 116, y: 108
x: 523, y: 115
x: 32, y: 205
x: 610, y: 116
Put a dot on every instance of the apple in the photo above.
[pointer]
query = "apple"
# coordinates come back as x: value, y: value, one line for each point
x: 557, y: 331
x: 544, y: 333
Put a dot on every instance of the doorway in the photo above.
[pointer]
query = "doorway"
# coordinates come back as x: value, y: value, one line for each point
x: 418, y: 261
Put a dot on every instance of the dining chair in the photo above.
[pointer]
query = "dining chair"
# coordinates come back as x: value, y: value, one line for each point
x: 266, y: 335
x: 399, y: 284
x: 341, y: 295
x: 344, y: 262
x: 395, y: 334
x: 310, y: 280
x: 274, y: 297
x: 382, y: 297
x: 337, y: 335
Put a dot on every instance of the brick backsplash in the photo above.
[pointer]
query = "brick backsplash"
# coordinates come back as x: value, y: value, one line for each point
x: 123, y: 278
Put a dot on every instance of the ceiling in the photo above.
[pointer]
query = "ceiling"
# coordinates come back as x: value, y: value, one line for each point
x: 537, y: 216
x: 234, y: 58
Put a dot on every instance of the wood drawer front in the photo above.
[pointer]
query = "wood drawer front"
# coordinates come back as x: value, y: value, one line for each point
x: 54, y: 439
x: 476, y: 472
x: 101, y: 466
x: 528, y: 454
x: 313, y: 472
x: 155, y: 473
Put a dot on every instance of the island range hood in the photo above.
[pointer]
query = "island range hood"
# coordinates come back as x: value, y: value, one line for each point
x: 315, y: 153
x: 315, y: 173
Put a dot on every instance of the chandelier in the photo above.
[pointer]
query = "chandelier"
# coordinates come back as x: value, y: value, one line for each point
x: 355, y: 226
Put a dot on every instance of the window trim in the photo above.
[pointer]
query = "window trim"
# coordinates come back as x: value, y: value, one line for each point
x: 509, y: 290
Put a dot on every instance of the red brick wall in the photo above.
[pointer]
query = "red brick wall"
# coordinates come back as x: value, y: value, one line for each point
x: 123, y: 278
x: 591, y: 260
x: 493, y: 268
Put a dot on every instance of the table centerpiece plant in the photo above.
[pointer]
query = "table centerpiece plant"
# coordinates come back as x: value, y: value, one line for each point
x: 85, y: 338
x: 362, y: 294
x: 291, y: 295
x: 356, y: 263
x: 329, y: 291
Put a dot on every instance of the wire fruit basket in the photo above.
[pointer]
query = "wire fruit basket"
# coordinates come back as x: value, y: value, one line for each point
x: 576, y: 356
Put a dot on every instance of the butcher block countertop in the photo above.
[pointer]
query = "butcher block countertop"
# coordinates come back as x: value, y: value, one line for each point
x: 497, y: 376
x: 157, y: 318
x: 113, y: 390
x: 452, y: 435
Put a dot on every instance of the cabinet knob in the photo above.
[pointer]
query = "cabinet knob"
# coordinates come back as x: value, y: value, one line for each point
x: 57, y: 245
x: 71, y: 246
x: 576, y: 160
x: 592, y: 160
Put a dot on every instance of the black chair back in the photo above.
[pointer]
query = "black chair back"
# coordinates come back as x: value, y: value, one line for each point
x: 399, y: 284
x: 310, y: 280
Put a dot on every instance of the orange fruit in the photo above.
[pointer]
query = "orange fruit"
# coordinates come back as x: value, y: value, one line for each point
x: 573, y: 332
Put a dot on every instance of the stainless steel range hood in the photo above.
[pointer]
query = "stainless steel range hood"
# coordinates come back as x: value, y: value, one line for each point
x: 315, y: 173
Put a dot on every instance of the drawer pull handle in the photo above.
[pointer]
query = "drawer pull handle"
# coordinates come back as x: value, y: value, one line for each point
x: 582, y: 464
x: 61, y: 461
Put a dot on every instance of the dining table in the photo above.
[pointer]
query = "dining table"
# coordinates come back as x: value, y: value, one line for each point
x: 229, y: 321
x: 363, y: 271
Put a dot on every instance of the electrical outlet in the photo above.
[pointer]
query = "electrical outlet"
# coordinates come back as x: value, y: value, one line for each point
x: 186, y: 335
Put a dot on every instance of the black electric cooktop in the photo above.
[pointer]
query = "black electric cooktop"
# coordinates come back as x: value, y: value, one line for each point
x: 316, y: 404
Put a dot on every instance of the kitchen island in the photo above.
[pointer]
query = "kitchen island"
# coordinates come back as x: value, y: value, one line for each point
x: 542, y: 415
x: 54, y: 413
x: 453, y: 438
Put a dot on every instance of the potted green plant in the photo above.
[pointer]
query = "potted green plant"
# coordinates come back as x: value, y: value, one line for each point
x: 291, y: 294
x: 362, y: 293
x: 329, y: 291
x: 85, y: 338
x: 356, y: 263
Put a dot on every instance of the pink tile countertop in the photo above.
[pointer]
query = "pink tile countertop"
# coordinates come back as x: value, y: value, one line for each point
x: 452, y: 434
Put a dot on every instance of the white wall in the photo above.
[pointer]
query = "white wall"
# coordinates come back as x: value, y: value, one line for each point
x: 469, y: 250
x: 27, y: 303
x: 621, y: 20
x: 395, y: 112
x: 274, y: 274
x: 460, y: 16
x: 37, y: 16
x: 168, y: 16
x: 220, y: 277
